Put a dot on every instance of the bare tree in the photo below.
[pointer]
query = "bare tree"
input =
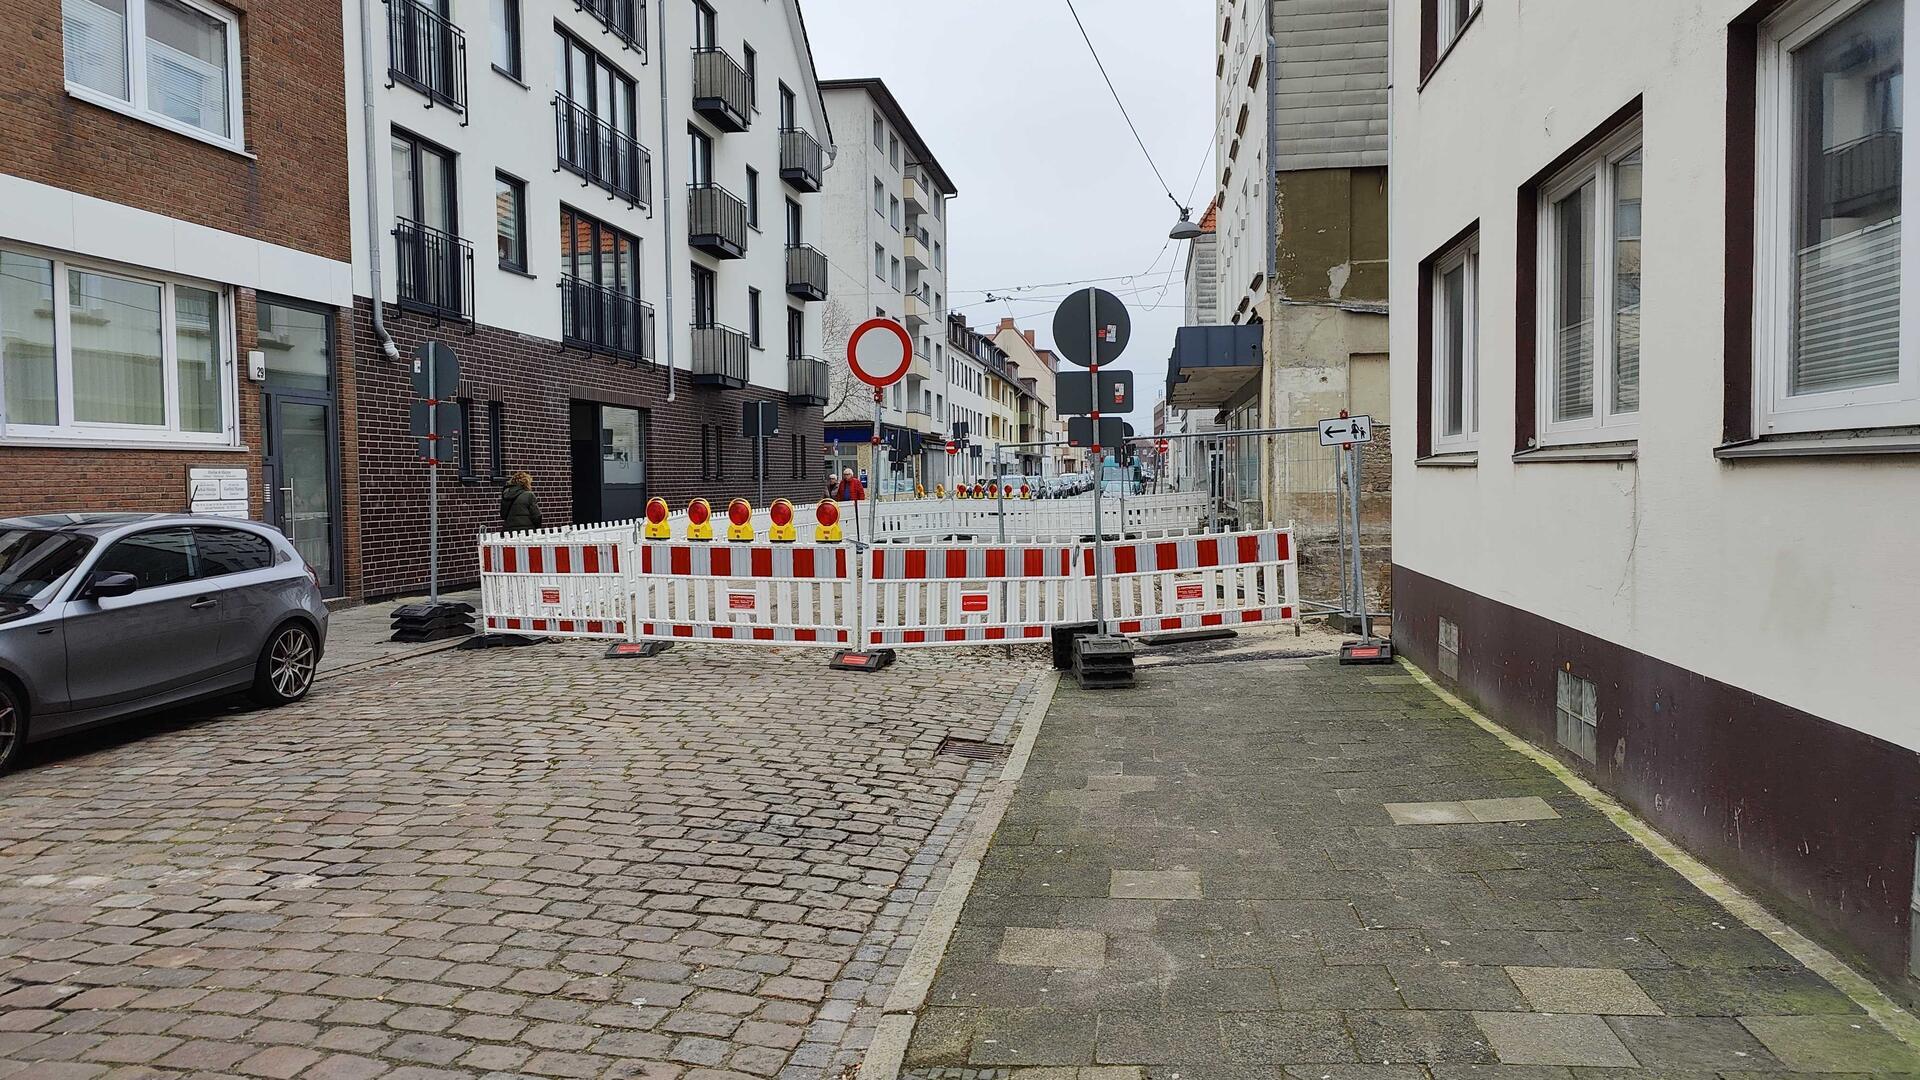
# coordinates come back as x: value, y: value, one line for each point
x: 843, y: 390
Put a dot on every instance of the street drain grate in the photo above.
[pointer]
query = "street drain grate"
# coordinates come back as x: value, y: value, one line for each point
x: 972, y: 749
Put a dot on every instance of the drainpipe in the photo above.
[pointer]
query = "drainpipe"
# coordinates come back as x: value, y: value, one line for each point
x: 387, y: 346
x: 666, y: 197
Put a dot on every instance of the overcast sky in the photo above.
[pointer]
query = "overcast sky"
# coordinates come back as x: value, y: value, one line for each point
x: 1052, y: 186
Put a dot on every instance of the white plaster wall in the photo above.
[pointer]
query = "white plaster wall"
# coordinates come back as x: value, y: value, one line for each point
x: 1793, y: 579
x: 1242, y: 221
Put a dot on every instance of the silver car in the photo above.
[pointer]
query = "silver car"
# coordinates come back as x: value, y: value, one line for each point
x: 103, y: 616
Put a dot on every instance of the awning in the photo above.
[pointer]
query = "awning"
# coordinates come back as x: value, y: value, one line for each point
x: 1211, y: 365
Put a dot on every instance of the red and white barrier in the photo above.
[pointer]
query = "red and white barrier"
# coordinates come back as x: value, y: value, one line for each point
x: 917, y: 597
x: 791, y: 594
x: 555, y: 589
x: 1233, y: 579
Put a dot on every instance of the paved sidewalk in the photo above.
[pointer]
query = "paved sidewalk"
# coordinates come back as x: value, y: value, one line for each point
x: 357, y: 637
x: 1287, y: 868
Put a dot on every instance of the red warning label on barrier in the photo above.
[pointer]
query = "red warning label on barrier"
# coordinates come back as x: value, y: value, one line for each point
x: 550, y: 597
x: 1194, y: 591
x: 973, y: 601
x: 740, y: 601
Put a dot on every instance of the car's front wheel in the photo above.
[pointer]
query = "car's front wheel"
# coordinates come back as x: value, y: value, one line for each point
x: 13, y: 727
x: 287, y: 665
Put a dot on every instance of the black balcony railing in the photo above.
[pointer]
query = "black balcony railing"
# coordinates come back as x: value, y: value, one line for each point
x: 719, y: 356
x: 716, y: 221
x: 721, y: 92
x: 427, y: 52
x: 806, y: 380
x: 595, y: 151
x: 435, y: 271
x: 1864, y: 175
x: 624, y: 19
x: 806, y: 272
x: 604, y: 320
x: 802, y: 162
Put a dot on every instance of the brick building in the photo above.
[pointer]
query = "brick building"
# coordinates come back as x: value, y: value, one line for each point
x: 646, y: 274
x: 174, y: 264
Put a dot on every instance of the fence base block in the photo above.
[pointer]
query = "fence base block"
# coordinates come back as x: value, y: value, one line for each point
x: 855, y: 660
x: 1181, y: 637
x: 636, y: 650
x: 1064, y: 635
x: 1367, y: 651
x: 1103, y: 663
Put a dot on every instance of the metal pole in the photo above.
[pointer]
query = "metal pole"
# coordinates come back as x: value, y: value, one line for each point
x: 1359, y: 572
x: 432, y: 359
x: 1099, y: 470
x: 1000, y: 490
x: 759, y: 470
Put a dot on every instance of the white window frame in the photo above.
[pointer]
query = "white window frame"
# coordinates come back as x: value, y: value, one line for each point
x: 1467, y: 254
x: 134, y: 104
x: 1607, y: 425
x: 1448, y: 31
x: 1775, y: 411
x: 70, y: 430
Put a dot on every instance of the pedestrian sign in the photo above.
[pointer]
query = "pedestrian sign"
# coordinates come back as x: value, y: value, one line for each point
x: 1339, y: 430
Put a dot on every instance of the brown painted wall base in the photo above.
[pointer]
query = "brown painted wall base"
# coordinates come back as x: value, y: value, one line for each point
x: 1814, y: 817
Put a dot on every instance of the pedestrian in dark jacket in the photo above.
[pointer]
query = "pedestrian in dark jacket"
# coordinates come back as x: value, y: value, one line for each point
x: 519, y: 509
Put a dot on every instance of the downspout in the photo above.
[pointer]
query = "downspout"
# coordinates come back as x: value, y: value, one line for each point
x: 387, y: 346
x: 666, y: 199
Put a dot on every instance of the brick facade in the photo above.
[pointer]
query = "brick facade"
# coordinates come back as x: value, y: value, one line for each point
x: 537, y: 380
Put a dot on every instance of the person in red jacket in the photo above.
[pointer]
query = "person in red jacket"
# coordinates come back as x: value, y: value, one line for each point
x: 851, y: 489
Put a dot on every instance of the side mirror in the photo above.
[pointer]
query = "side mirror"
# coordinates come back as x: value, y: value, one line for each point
x: 102, y: 584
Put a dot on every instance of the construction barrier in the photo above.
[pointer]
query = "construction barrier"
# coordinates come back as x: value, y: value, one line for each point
x: 794, y: 594
x: 556, y: 589
x: 1197, y: 582
x: 973, y: 594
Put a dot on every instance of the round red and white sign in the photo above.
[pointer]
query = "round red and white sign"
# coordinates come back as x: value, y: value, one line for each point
x: 879, y: 352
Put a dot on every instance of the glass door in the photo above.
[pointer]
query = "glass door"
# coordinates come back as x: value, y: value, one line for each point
x: 302, y: 429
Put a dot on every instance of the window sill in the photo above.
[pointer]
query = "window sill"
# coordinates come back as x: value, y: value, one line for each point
x: 519, y: 272
x: 1458, y: 459
x: 1472, y: 17
x: 1614, y: 452
x: 511, y: 77
x: 123, y: 444
x: 1819, y: 444
x: 114, y: 104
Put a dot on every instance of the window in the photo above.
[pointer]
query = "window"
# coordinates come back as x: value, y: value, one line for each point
x: 1832, y: 273
x: 893, y: 212
x: 230, y: 551
x: 175, y: 63
x: 154, y: 558
x: 753, y: 197
x: 940, y: 208
x: 796, y: 234
x: 879, y: 197
x: 503, y: 34
x: 600, y: 288
x: 468, y: 424
x: 1455, y: 346
x: 796, y: 334
x: 787, y: 108
x: 706, y: 451
x: 497, y: 441
x: 598, y: 119
x: 423, y: 185
x: 893, y: 150
x: 95, y: 353
x: 753, y: 318
x: 510, y: 221
x: 705, y: 32
x: 751, y: 61
x: 596, y: 253
x: 880, y: 262
x: 1453, y: 16
x: 700, y: 154
x: 1589, y: 295
x: 705, y: 285
x: 939, y: 257
x: 879, y: 131
x: 893, y: 275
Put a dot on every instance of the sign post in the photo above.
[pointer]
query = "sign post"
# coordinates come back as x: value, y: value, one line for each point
x: 1348, y: 433
x: 436, y: 371
x: 1103, y: 319
x: 879, y: 351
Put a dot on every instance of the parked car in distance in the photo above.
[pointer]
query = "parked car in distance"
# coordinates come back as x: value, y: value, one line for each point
x: 106, y: 616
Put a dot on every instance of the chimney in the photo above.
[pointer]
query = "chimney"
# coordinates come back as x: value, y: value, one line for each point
x: 1029, y: 336
x: 1006, y: 324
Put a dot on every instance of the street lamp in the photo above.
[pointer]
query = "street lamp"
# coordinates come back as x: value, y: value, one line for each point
x: 1185, y: 229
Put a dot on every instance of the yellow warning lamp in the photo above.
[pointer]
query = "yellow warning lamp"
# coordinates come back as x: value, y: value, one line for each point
x: 657, y: 527
x: 699, y: 520
x: 939, y: 491
x: 739, y: 521
x: 979, y: 490
x: 826, y: 522
x: 1026, y: 491
x: 919, y: 491
x: 781, y: 531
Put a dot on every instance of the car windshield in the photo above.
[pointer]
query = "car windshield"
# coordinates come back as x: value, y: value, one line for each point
x: 32, y: 562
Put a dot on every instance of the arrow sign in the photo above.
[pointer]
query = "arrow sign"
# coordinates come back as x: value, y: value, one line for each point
x: 1346, y: 429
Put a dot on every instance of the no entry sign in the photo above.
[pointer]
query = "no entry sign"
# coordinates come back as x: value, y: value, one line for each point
x: 879, y: 352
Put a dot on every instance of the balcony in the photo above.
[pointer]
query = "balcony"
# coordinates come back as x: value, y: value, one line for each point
x: 916, y: 196
x: 919, y: 367
x: 716, y: 221
x: 428, y: 53
x: 919, y: 418
x: 720, y: 91
x: 915, y: 250
x: 918, y: 311
x: 434, y: 272
x: 719, y: 356
x: 802, y: 162
x: 602, y: 320
x: 624, y: 19
x: 806, y: 272
x: 806, y: 380
x: 596, y: 152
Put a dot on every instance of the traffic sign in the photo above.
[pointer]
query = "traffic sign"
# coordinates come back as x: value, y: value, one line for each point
x: 1080, y: 432
x: 759, y: 419
x: 879, y: 352
x: 445, y: 365
x: 1110, y: 326
x: 1074, y: 393
x: 1346, y: 429
x: 952, y: 447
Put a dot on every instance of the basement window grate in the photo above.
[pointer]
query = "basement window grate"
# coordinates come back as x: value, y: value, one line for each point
x: 1576, y: 710
x: 972, y: 749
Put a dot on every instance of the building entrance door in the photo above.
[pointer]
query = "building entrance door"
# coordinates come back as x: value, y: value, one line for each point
x: 609, y: 444
x: 303, y: 436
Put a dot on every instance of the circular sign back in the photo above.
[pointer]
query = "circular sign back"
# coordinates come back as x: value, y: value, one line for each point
x: 879, y: 351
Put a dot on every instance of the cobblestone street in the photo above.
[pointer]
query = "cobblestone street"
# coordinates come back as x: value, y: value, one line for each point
x: 513, y: 862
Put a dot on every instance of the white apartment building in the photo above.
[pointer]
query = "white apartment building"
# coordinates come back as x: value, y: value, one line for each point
x: 1659, y: 351
x: 1240, y: 156
x: 1037, y: 370
x: 886, y: 237
x: 618, y: 280
x: 983, y: 395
